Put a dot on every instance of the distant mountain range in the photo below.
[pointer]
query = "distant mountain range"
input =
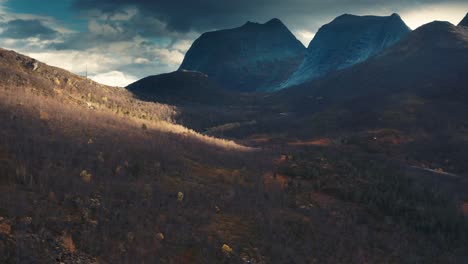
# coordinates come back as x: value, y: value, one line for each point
x: 267, y: 57
x: 430, y: 61
x: 248, y: 58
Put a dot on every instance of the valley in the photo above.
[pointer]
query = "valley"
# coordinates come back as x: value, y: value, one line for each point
x: 365, y: 164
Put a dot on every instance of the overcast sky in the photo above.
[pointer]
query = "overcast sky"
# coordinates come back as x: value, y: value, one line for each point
x: 121, y: 41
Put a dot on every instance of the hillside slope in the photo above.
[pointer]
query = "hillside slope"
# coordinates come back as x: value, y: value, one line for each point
x: 181, y: 87
x: 85, y: 167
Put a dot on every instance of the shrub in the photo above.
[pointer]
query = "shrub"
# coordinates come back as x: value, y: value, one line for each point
x: 86, y: 176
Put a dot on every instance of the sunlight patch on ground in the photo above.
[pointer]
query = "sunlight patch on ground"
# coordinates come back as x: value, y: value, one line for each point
x: 322, y: 142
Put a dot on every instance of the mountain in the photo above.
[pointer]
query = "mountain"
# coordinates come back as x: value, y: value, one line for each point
x: 181, y: 87
x: 346, y: 41
x: 428, y: 69
x: 408, y: 102
x: 248, y: 58
x: 464, y: 22
x: 432, y: 59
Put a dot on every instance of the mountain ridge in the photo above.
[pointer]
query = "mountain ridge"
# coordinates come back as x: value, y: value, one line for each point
x: 464, y: 21
x: 406, y: 65
x: 181, y: 87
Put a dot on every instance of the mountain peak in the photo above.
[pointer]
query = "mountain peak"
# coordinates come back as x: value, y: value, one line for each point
x: 436, y: 27
x: 345, y: 16
x: 350, y: 18
x: 437, y: 34
x: 274, y: 21
x: 464, y: 21
x: 251, y: 57
x: 249, y: 24
x: 437, y: 24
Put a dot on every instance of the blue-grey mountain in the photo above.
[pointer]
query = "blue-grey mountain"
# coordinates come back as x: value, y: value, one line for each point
x: 406, y: 68
x: 248, y: 58
x: 346, y: 41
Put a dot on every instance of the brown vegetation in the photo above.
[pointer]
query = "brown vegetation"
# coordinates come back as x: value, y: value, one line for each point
x: 100, y: 176
x: 83, y: 175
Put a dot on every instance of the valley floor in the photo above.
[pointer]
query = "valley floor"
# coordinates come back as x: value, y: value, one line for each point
x: 81, y: 185
x: 91, y: 174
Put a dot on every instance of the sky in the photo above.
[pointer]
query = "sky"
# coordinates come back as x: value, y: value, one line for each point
x: 121, y: 41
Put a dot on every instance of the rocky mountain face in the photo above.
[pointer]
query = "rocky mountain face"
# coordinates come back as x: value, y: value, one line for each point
x: 346, y: 41
x: 249, y: 58
x: 464, y: 22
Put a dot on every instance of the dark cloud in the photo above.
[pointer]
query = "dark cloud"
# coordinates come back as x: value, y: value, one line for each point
x: 122, y: 26
x: 181, y: 15
x: 21, y: 29
x: 202, y: 15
